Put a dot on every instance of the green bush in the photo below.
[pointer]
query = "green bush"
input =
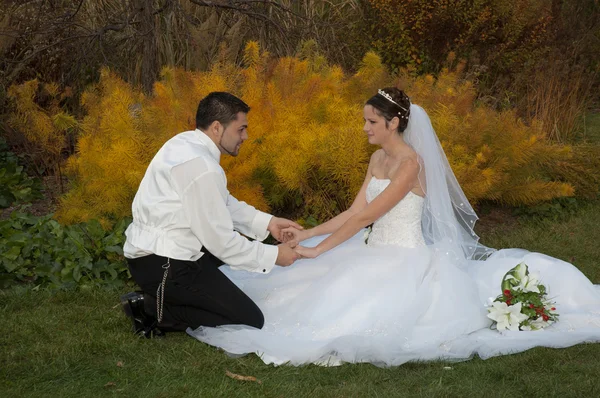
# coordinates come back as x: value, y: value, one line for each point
x: 15, y: 185
x: 41, y: 251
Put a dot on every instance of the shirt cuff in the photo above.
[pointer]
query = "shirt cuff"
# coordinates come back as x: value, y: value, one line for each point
x: 266, y: 260
x: 259, y: 226
x: 271, y: 253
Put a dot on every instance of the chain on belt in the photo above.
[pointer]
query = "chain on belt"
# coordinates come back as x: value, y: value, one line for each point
x: 160, y: 292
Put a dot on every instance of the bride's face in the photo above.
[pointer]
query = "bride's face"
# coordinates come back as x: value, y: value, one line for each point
x: 375, y: 126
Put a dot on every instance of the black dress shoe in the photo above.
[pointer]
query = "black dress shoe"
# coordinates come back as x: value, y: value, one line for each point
x: 142, y: 323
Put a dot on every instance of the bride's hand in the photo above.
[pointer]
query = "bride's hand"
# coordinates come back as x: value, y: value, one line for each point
x: 277, y: 225
x: 307, y: 252
x: 294, y: 235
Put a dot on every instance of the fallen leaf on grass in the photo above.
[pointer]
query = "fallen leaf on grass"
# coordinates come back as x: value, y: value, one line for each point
x: 242, y: 378
x: 110, y: 384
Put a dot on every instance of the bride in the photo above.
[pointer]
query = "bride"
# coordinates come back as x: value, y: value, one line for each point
x: 416, y: 285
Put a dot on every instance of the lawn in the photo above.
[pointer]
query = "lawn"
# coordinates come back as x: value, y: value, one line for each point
x: 78, y: 344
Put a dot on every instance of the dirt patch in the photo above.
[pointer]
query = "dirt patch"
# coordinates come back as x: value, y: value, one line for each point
x: 496, y: 219
x: 51, y: 192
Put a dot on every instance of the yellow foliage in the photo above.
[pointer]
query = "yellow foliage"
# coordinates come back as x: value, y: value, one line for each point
x: 307, y: 153
x: 113, y: 152
x: 45, y: 127
x: 251, y: 54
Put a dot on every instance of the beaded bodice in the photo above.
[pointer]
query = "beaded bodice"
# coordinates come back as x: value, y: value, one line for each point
x: 401, y: 225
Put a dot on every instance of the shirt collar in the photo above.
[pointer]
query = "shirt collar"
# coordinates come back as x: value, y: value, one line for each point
x: 212, y: 147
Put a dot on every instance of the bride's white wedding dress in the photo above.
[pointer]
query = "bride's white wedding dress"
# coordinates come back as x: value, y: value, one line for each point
x: 396, y: 299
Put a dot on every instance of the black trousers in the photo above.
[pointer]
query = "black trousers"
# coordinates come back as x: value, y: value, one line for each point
x: 196, y: 293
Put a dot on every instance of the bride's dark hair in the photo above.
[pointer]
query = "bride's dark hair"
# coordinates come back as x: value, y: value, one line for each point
x: 398, y: 106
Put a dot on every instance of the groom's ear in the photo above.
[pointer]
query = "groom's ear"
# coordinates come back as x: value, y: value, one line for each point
x: 216, y: 129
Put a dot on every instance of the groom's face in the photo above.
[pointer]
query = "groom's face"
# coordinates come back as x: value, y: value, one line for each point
x: 234, y: 135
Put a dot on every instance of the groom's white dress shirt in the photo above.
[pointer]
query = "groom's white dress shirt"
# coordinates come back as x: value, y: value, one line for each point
x: 183, y: 204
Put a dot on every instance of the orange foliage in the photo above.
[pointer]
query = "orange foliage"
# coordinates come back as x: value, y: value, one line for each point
x: 307, y: 154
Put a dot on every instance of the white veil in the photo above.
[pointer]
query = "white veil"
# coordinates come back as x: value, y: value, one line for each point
x: 448, y: 217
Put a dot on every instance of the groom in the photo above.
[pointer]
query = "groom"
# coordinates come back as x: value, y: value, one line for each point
x: 186, y: 224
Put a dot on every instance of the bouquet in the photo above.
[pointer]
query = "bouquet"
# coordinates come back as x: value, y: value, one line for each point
x: 523, y: 304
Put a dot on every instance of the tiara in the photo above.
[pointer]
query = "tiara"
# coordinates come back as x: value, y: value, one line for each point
x: 389, y: 98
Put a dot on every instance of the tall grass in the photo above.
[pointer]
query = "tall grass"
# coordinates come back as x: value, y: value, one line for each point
x: 558, y: 97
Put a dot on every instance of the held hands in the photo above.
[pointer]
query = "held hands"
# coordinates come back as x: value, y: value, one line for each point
x: 277, y: 226
x: 290, y: 233
x: 294, y: 235
x: 307, y: 252
x: 286, y: 255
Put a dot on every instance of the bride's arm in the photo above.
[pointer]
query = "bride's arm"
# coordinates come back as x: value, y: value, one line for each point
x: 402, y: 182
x: 360, y: 202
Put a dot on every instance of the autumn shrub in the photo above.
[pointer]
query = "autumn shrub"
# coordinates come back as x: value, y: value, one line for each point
x: 112, y: 153
x: 494, y: 155
x: 307, y: 154
x: 48, y: 130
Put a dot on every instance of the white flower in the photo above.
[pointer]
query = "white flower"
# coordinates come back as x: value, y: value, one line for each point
x: 536, y: 324
x: 529, y: 283
x: 514, y: 276
x: 506, y: 317
x: 539, y: 323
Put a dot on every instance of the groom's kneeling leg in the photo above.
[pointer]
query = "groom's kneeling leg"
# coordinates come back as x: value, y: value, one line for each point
x: 209, y: 298
x: 194, y: 317
x: 196, y: 293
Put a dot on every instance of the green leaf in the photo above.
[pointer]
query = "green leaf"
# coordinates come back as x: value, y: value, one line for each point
x: 12, y: 254
x: 22, y: 194
x: 114, y: 249
x: 112, y: 273
x: 20, y: 237
x: 77, y: 273
x: 95, y: 230
x: 6, y: 199
x: 86, y: 263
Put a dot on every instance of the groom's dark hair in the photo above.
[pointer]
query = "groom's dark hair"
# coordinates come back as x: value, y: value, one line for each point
x: 220, y: 106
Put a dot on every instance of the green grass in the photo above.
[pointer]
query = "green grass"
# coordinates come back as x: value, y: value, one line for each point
x: 572, y: 238
x: 70, y: 344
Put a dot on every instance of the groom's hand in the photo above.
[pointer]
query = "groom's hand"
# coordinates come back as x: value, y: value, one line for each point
x: 286, y: 255
x: 294, y: 236
x: 277, y: 225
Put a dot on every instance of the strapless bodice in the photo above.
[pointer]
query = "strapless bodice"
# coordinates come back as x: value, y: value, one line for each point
x: 401, y: 225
